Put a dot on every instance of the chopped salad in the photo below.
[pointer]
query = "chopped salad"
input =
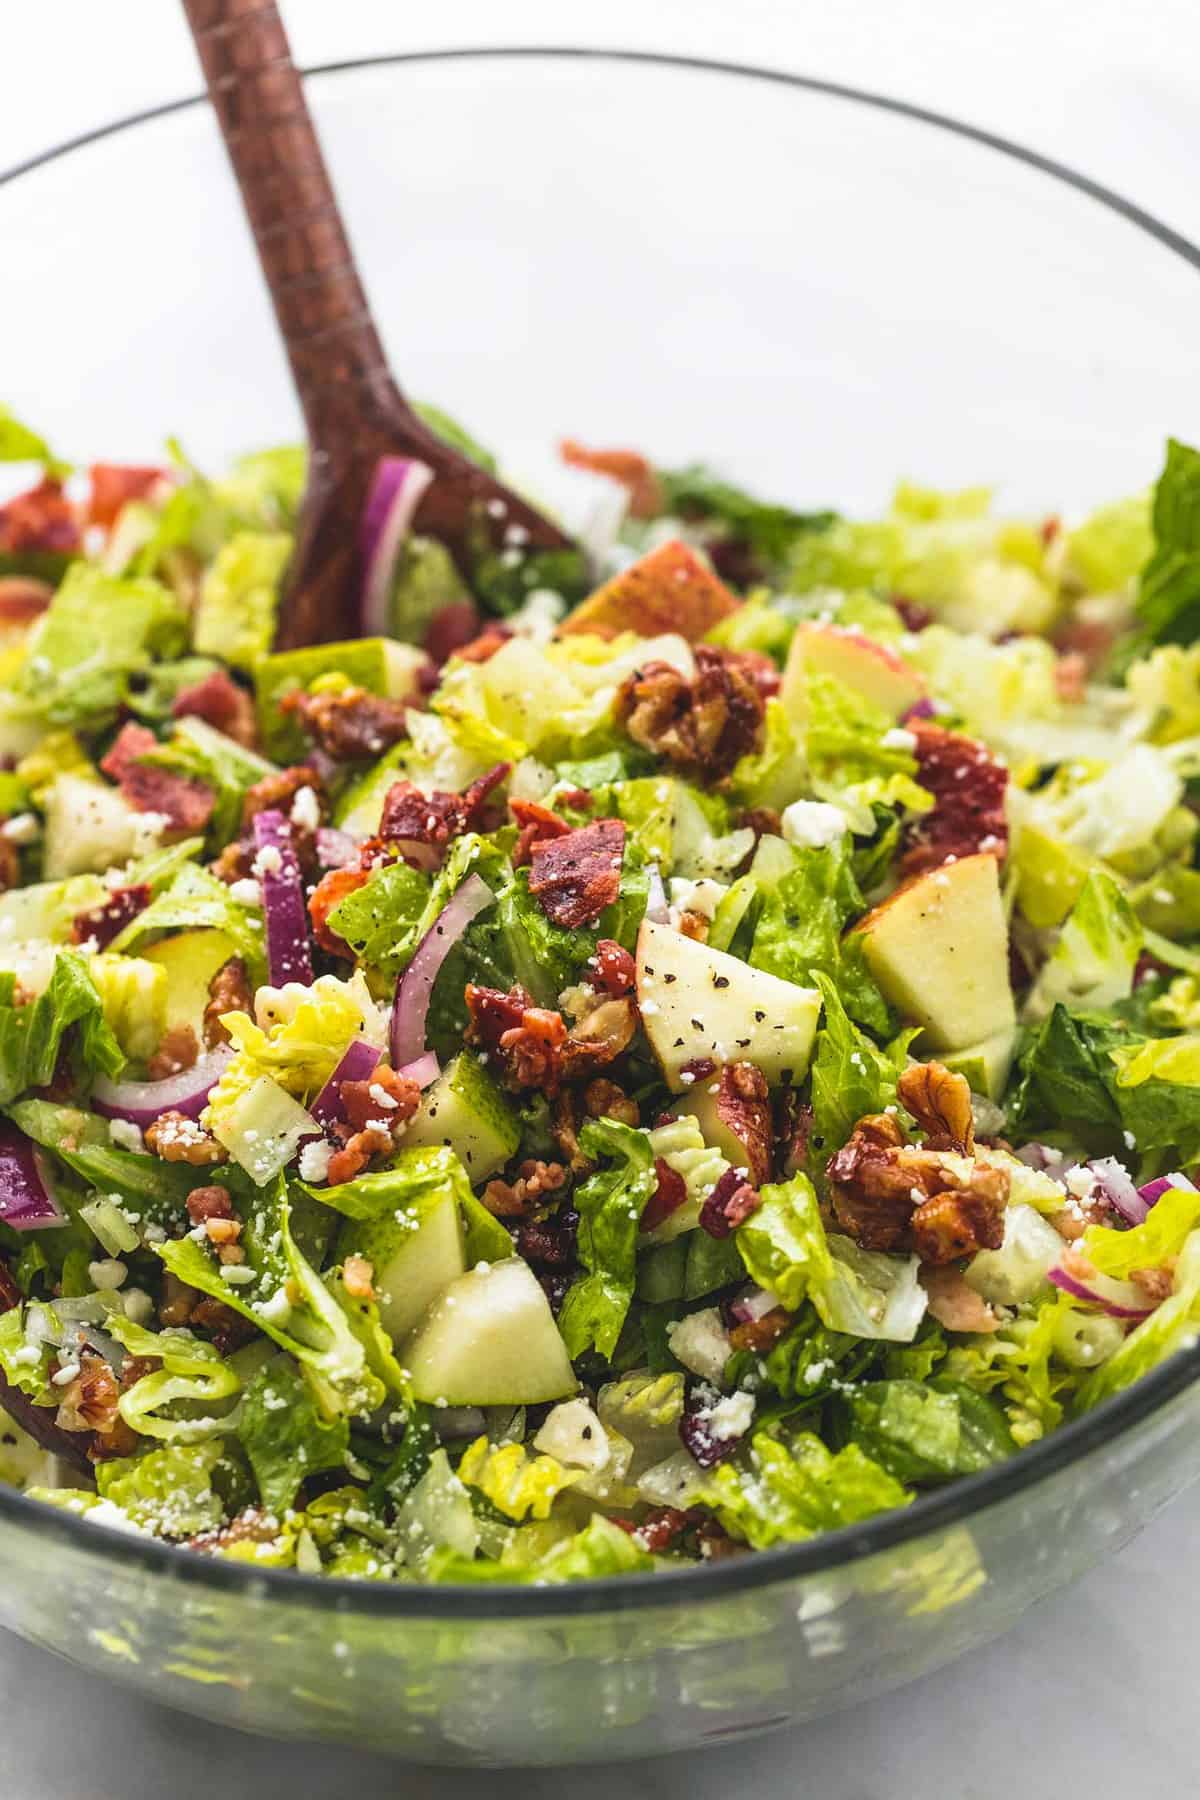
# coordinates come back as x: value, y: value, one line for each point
x: 592, y: 1076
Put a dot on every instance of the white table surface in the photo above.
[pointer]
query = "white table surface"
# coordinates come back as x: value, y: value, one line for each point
x: 1095, y: 1690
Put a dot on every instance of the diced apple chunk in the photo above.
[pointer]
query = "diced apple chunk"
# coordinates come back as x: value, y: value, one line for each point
x: 669, y: 589
x: 415, y: 1258
x: 490, y: 1340
x: 871, y: 670
x: 938, y: 947
x: 699, y: 1003
x: 190, y: 959
x: 985, y: 1067
x: 466, y: 1110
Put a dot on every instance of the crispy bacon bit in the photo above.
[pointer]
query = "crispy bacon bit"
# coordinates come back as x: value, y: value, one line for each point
x: 916, y: 617
x: 526, y: 1040
x: 228, y: 991
x: 252, y: 1526
x: 176, y: 1138
x: 493, y: 637
x: 574, y: 877
x: 953, y: 1304
x: 388, y: 1098
x: 702, y: 726
x: 102, y: 923
x: 940, y: 1102
x: 221, y: 703
x: 421, y: 825
x: 22, y: 600
x: 667, y: 1198
x: 349, y: 724
x: 743, y: 1108
x: 729, y: 1205
x: 184, y: 801
x: 42, y: 518
x: 177, y: 1050
x: 517, y: 1199
x: 329, y: 893
x: 968, y: 787
x: 629, y: 467
x: 761, y: 1333
x: 613, y: 969
x: 357, y: 1152
x: 113, y: 485
x: 538, y: 825
x: 208, y: 1203
x: 358, y: 1278
x: 603, y: 1099
x: 697, y: 1433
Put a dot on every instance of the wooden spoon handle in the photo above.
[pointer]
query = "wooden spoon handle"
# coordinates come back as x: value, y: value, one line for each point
x: 337, y: 358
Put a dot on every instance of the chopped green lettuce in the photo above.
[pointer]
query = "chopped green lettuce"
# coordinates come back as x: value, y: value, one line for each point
x: 168, y: 1491
x: 926, y: 1431
x: 70, y: 1013
x: 195, y: 900
x: 1092, y: 964
x: 790, y: 1491
x: 1168, y: 601
x: 98, y: 632
x: 610, y: 1204
x: 235, y: 613
x: 285, y: 1433
x: 191, y: 1374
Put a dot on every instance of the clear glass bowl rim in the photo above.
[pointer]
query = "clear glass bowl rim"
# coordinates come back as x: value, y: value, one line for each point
x: 939, y: 1510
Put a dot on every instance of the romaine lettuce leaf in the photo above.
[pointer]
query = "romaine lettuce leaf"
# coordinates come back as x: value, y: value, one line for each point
x: 791, y: 1491
x: 285, y: 1434
x: 97, y: 633
x: 191, y: 1371
x: 610, y: 1203
x: 926, y: 1431
x: 195, y: 900
x: 1171, y: 1326
x: 1092, y: 964
x: 851, y: 1076
x: 32, y: 1037
x: 805, y: 898
x: 235, y: 613
x: 168, y: 1491
x: 518, y: 1485
x: 1168, y: 601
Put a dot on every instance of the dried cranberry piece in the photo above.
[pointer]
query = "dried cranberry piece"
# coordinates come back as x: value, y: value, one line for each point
x: 696, y: 1431
x: 729, y: 1205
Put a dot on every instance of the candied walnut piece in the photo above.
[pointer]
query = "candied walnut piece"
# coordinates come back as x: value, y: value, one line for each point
x: 357, y: 1152
x: 629, y: 467
x: 603, y: 1099
x: 103, y: 923
x: 695, y: 926
x: 872, y: 1197
x: 613, y: 969
x: 176, y: 1138
x: 177, y: 1051
x: 329, y: 893
x: 729, y: 1205
x: 702, y: 726
x: 349, y: 724
x: 89, y: 1402
x: 220, y: 702
x: 228, y: 1330
x: 599, y: 1037
x: 761, y: 1333
x: 208, y: 1203
x: 228, y: 991
x: 968, y: 787
x: 744, y: 1108
x: 958, y: 1222
x: 276, y: 792
x: 953, y: 1303
x: 574, y: 877
x: 940, y: 1102
x: 517, y: 1199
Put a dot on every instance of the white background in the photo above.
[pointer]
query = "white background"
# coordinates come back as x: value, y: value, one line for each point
x: 1094, y: 1692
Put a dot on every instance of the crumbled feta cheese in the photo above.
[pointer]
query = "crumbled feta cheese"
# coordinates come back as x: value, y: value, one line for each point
x: 381, y: 1097
x: 315, y: 1159
x: 1079, y: 1182
x: 277, y: 1310
x: 107, y: 1273
x: 22, y: 828
x: 306, y: 810
x: 268, y: 861
x: 730, y: 1417
x: 125, y: 1134
x: 137, y: 1305
x: 246, y: 891
x: 812, y: 824
x: 702, y: 897
x: 701, y: 1343
x: 898, y: 739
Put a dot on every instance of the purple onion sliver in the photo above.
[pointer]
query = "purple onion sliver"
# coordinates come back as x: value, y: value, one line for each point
x: 398, y: 484
x: 358, y: 1064
x: 335, y: 849
x: 410, y: 1008
x: 26, y: 1203
x: 424, y: 1071
x: 1080, y: 1291
x: 1116, y: 1186
x: 141, y: 1102
x: 920, y: 709
x: 1154, y: 1190
x: 289, y: 957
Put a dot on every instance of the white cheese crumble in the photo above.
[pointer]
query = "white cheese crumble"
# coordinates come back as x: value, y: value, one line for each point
x: 315, y: 1159
x: 898, y: 739
x: 701, y: 1343
x: 268, y: 861
x: 125, y: 1134
x: 22, y: 828
x: 702, y: 897
x: 306, y: 810
x: 107, y: 1274
x: 246, y: 892
x: 812, y: 824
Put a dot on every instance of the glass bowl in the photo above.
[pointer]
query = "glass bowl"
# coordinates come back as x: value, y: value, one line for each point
x: 819, y: 290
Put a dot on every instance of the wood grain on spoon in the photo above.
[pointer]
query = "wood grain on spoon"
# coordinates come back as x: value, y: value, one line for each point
x: 353, y: 409
x: 38, y: 1421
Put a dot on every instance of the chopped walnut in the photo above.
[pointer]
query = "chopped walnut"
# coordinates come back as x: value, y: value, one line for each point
x: 177, y: 1051
x: 357, y: 1152
x: 276, y: 792
x: 176, y: 1138
x: 89, y: 1402
x: 744, y: 1109
x: 1156, y: 1284
x: 517, y: 1199
x: 350, y: 724
x: 228, y: 991
x: 603, y: 1099
x: 889, y: 1195
x: 178, y: 1303
x: 940, y: 1102
x: 959, y: 1222
x: 228, y: 1330
x: 358, y: 1278
x: 761, y: 1333
x: 695, y: 926
x: 702, y: 726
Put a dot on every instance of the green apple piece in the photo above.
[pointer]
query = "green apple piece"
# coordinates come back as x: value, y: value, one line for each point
x: 490, y: 1340
x: 89, y: 826
x: 466, y: 1110
x: 986, y: 1066
x: 404, y: 666
x: 415, y: 1255
x: 46, y: 909
x: 869, y: 669
x: 938, y: 947
x: 378, y: 664
x: 191, y: 959
x: 699, y: 1002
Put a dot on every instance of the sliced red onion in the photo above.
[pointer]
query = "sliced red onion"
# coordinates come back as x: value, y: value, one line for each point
x: 657, y: 909
x: 358, y: 1064
x: 289, y: 957
x: 336, y: 849
x: 753, y: 1303
x: 1119, y: 1299
x: 26, y: 1200
x: 410, y: 1008
x: 920, y: 709
x: 1154, y: 1190
x: 1115, y: 1184
x: 424, y: 1070
x: 394, y: 495
x: 141, y: 1102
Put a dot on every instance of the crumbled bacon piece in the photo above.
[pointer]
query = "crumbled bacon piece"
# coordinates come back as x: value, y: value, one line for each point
x: 481, y: 649
x: 113, y: 485
x: 662, y: 1527
x: 743, y: 1108
x: 357, y: 1152
x: 388, y: 1098
x: 23, y: 599
x: 582, y: 799
x: 101, y: 924
x: 940, y: 1102
x: 538, y: 825
x: 613, y: 969
x: 328, y: 894
x: 761, y: 1333
x: 421, y: 825
x: 668, y: 1196
x: 729, y: 1205
x: 574, y: 877
x: 42, y: 518
x: 207, y: 1203
x: 350, y: 723
x: 221, y: 703
x: 177, y: 1050
x: 228, y: 991
x: 184, y: 801
x: 517, y: 1199
x: 629, y: 467
x: 968, y: 787
x: 526, y: 1040
x: 702, y: 726
x: 176, y: 1138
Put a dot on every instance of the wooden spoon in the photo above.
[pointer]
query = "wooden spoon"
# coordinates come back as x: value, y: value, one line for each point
x: 354, y: 412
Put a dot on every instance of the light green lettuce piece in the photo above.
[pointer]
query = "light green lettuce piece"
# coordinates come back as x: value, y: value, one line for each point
x: 194, y: 900
x: 600, y: 1549
x: 235, y: 614
x: 1171, y: 1326
x: 19, y: 443
x: 97, y: 632
x: 1161, y: 1234
x: 24, y: 1366
x: 1178, y: 1009
x: 851, y: 1076
x: 680, y: 1143
x: 517, y: 1484
x: 168, y: 1492
x: 265, y: 487
x: 1092, y: 964
x: 1165, y: 686
x: 789, y: 1492
x: 610, y: 1203
x: 192, y: 1371
x: 1110, y: 548
x: 1174, y: 1060
x: 284, y: 1432
x: 852, y: 753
